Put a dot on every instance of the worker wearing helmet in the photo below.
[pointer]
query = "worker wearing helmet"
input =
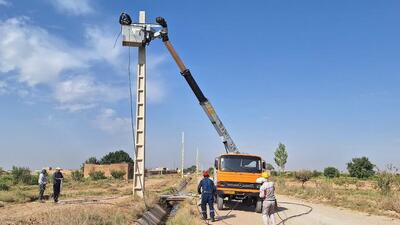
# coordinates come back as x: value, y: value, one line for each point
x: 207, y: 190
x: 267, y: 193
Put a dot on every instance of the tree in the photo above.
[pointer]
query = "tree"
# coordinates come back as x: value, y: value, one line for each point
x: 303, y: 176
x: 361, y: 168
x: 269, y: 166
x: 23, y: 175
x: 331, y: 172
x: 116, y: 157
x: 92, y: 160
x: 191, y: 169
x: 281, y: 156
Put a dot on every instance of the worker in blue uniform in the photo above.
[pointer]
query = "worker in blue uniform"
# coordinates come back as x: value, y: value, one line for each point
x: 207, y: 190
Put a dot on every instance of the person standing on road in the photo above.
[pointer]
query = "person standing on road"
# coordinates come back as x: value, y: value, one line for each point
x: 207, y: 190
x: 42, y: 184
x: 57, y: 182
x: 267, y: 193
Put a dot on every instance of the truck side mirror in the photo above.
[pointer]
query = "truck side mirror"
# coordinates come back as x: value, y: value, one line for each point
x: 264, y: 166
x: 216, y: 163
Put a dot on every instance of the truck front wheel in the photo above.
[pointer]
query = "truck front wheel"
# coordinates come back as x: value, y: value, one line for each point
x: 220, y: 203
x: 259, y: 206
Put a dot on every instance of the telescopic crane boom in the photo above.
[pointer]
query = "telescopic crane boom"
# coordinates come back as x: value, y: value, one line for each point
x: 230, y: 146
x: 141, y: 34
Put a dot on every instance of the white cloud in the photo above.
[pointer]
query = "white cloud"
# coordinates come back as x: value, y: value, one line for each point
x: 74, y: 7
x: 83, y: 92
x: 35, y: 55
x: 108, y: 121
x: 36, y: 58
x: 4, y: 3
x: 101, y: 41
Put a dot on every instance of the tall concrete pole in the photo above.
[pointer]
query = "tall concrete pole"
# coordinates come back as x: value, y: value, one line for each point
x: 140, y: 132
x: 183, y: 153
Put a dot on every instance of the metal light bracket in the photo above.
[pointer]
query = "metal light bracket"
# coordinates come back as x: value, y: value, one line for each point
x: 139, y: 34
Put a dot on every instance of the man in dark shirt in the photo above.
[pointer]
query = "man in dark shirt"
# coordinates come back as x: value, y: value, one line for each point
x: 57, y: 181
x: 207, y: 190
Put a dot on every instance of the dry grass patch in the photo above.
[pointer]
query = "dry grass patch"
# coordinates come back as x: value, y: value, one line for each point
x: 344, y: 195
x: 188, y: 210
x: 186, y: 214
x: 103, y: 202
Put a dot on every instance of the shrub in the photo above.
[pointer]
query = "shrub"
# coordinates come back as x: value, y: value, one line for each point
x: 303, y: 176
x: 288, y: 174
x: 361, y: 168
x: 77, y: 175
x: 331, y: 172
x: 316, y: 173
x: 386, y: 179
x: 4, y: 187
x: 118, y: 174
x: 23, y: 175
x: 2, y: 172
x: 97, y: 175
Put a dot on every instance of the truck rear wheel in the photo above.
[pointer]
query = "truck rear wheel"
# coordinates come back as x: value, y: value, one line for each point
x: 258, y: 206
x: 220, y: 203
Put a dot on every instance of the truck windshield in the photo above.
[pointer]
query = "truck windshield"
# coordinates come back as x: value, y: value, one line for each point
x: 249, y: 164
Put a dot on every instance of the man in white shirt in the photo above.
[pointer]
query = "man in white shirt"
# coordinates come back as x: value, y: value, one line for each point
x: 267, y: 193
x: 42, y: 184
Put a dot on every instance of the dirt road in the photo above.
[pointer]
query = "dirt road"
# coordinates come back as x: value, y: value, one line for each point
x: 319, y: 215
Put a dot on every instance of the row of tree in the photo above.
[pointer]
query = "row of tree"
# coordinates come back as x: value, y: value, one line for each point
x: 119, y: 156
x: 357, y: 167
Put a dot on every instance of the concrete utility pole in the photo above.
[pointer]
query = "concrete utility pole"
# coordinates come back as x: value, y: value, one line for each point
x: 140, y: 132
x: 183, y: 153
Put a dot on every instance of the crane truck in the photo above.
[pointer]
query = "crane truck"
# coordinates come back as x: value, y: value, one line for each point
x: 235, y: 173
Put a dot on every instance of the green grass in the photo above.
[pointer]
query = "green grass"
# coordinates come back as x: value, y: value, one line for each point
x: 19, y: 194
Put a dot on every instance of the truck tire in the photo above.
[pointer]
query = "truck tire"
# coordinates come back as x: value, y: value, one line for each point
x: 220, y: 203
x: 258, y: 206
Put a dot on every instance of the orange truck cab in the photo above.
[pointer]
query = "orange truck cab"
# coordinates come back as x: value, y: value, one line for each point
x: 235, y: 177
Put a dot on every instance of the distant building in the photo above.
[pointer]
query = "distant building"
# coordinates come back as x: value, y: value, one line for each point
x: 161, y: 171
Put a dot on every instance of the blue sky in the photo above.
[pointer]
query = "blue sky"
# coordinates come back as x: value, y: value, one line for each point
x: 321, y: 77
